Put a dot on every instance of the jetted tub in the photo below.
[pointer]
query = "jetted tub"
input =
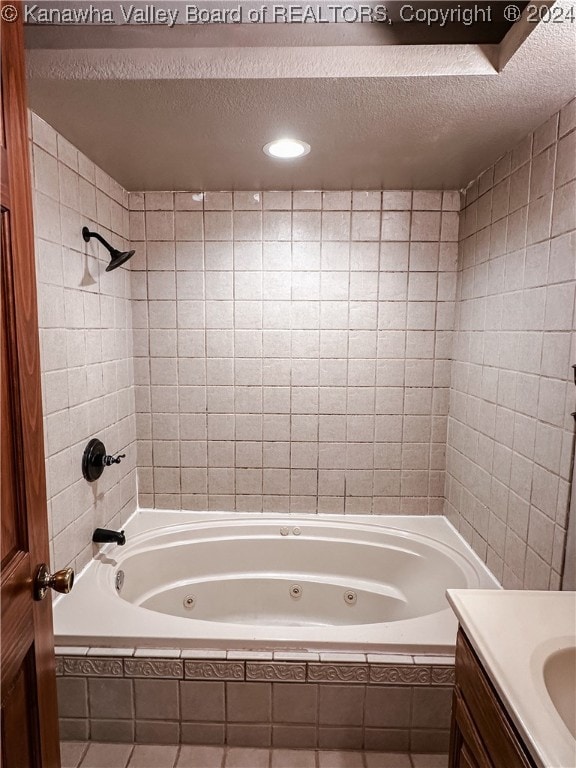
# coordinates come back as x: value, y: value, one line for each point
x: 271, y: 582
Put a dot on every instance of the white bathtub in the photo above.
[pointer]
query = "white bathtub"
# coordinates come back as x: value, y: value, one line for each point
x: 272, y: 582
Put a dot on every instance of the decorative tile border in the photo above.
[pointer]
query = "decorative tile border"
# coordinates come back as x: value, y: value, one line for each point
x: 443, y: 675
x: 276, y: 672
x: 153, y: 668
x: 405, y: 672
x: 400, y: 675
x: 338, y: 673
x: 93, y: 667
x: 214, y: 670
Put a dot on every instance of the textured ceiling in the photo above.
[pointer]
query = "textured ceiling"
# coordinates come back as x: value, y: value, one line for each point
x: 390, y: 132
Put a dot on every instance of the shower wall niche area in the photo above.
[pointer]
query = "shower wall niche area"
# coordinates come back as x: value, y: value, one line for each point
x: 317, y: 351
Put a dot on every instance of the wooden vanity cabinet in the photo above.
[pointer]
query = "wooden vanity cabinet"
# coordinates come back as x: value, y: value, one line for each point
x: 482, y: 733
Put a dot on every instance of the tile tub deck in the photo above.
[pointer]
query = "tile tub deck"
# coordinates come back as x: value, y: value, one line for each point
x: 379, y: 702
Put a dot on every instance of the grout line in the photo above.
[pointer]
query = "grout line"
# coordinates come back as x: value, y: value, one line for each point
x: 87, y: 746
x: 226, y: 750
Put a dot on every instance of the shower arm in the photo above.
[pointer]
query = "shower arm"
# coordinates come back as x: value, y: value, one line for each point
x: 87, y: 234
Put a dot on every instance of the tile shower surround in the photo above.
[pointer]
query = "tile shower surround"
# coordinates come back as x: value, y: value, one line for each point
x: 292, y: 350
x: 85, y: 323
x: 511, y: 432
x: 517, y: 233
x: 298, y: 700
x: 88, y: 389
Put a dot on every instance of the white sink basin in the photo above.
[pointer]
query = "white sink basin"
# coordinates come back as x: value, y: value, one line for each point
x: 560, y: 680
x: 527, y: 644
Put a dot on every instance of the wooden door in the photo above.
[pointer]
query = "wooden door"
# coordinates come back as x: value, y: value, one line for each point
x: 28, y: 681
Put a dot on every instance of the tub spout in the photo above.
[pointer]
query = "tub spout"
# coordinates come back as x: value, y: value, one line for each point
x: 104, y: 536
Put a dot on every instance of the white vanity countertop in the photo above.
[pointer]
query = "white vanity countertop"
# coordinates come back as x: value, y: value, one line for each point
x: 513, y: 633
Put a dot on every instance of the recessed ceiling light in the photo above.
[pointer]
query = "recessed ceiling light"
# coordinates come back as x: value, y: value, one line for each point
x: 287, y: 149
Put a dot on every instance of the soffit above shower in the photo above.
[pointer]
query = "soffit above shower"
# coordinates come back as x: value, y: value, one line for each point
x: 395, y: 39
x: 290, y: 23
x: 390, y: 106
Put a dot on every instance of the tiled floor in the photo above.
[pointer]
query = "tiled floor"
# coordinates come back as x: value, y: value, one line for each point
x: 77, y: 754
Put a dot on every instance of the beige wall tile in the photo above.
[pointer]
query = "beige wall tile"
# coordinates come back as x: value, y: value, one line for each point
x: 513, y: 346
x: 80, y: 374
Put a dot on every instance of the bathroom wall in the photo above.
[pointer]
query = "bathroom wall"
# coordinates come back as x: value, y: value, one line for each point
x: 86, y: 343
x: 292, y: 350
x: 510, y: 434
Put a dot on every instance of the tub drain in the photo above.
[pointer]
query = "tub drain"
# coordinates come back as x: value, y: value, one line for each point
x: 189, y: 602
x: 295, y: 591
x: 350, y: 597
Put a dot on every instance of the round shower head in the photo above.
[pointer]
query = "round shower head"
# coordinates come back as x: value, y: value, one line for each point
x: 118, y: 258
